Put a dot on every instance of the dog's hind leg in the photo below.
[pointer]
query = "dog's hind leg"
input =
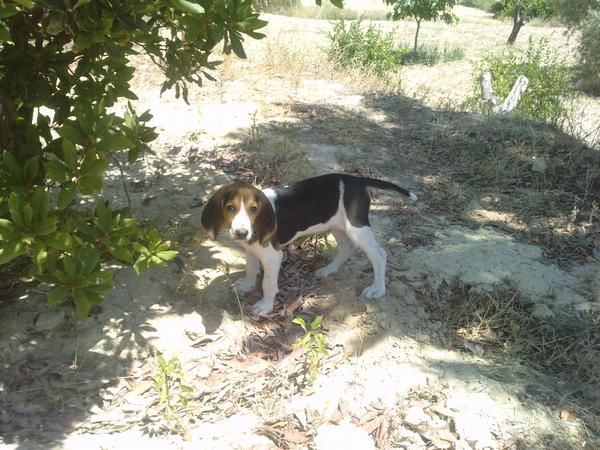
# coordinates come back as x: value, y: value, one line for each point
x: 364, y: 238
x: 344, y: 250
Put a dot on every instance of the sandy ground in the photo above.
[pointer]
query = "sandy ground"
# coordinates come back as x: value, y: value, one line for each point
x: 391, y: 378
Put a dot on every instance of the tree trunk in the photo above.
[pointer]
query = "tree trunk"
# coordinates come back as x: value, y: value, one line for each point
x: 417, y: 36
x: 518, y: 22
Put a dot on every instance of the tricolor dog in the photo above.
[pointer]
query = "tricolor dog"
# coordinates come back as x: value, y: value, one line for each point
x: 263, y: 221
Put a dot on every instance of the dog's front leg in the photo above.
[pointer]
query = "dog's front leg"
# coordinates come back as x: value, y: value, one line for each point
x: 271, y: 262
x: 248, y: 283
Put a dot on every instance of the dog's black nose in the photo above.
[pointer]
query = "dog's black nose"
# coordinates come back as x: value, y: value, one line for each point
x: 241, y: 234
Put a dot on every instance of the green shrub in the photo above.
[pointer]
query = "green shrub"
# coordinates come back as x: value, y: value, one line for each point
x: 530, y: 8
x: 549, y: 80
x: 431, y: 55
x: 370, y: 49
x: 64, y: 67
x: 589, y: 53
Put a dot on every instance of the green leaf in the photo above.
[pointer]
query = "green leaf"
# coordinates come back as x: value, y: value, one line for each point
x: 11, y: 164
x: 27, y: 216
x: 58, y: 295
x: 7, y: 11
x: 71, y: 132
x: 8, y: 230
x: 89, y: 258
x: 26, y: 3
x: 60, y: 240
x: 140, y: 264
x: 103, y: 216
x: 236, y: 46
x: 15, y: 206
x: 47, y: 226
x: 82, y: 304
x: 40, y: 254
x: 56, y: 171
x: 11, y: 250
x: 316, y: 323
x: 189, y: 7
x: 89, y: 184
x: 114, y: 142
x: 31, y: 169
x: 167, y: 255
x: 66, y: 196
x: 69, y: 153
x: 121, y: 253
x: 70, y: 265
x: 80, y: 3
x: 83, y: 41
x: 4, y: 32
x: 300, y: 321
x: 40, y: 203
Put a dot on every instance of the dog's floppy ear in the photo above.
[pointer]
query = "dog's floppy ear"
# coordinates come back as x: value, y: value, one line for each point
x: 265, y: 223
x: 212, y: 216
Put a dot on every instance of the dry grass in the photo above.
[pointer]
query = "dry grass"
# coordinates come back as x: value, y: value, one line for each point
x: 545, y: 182
x: 563, y: 351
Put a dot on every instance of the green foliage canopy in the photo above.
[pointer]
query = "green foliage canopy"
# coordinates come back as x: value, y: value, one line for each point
x: 589, y: 53
x: 575, y: 11
x: 63, y: 64
x: 529, y: 8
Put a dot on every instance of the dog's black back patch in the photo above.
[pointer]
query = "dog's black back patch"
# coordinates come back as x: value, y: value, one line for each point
x: 304, y: 204
x: 316, y: 200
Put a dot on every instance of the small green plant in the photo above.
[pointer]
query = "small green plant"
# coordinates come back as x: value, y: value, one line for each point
x: 549, y: 80
x: 432, y: 55
x: 255, y: 138
x: 170, y: 385
x: 370, y: 49
x: 312, y: 343
x: 315, y: 244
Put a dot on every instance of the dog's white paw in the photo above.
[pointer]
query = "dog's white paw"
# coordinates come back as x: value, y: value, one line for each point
x: 374, y: 291
x: 262, y: 307
x: 243, y: 285
x: 325, y: 271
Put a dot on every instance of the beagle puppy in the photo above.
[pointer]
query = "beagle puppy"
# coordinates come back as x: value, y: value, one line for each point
x: 263, y: 221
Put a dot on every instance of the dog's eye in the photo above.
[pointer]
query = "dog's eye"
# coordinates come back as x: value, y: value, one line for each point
x: 231, y: 208
x: 253, y: 209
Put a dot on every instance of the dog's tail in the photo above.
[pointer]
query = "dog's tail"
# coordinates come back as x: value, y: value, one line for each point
x: 381, y: 184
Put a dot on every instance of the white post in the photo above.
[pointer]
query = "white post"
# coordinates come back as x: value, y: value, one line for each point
x: 512, y: 99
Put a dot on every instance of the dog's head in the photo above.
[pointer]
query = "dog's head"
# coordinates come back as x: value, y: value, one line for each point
x: 242, y: 208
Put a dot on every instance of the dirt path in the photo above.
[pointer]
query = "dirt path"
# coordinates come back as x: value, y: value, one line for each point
x: 394, y: 375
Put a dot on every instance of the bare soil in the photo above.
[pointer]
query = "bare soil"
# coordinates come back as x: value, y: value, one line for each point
x: 396, y: 375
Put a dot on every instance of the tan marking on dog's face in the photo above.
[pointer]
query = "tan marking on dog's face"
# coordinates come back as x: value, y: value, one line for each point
x: 240, y: 207
x: 242, y: 199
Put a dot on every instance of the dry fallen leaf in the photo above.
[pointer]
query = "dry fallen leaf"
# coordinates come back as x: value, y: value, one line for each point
x: 566, y: 415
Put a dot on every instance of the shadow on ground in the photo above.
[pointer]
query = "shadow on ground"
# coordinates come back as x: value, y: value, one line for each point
x: 64, y: 379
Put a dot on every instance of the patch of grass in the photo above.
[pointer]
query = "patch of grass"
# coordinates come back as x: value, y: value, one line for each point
x: 287, y: 54
x: 502, y: 327
x: 326, y: 11
x: 431, y: 55
x: 369, y: 49
x: 546, y: 183
x: 550, y: 87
